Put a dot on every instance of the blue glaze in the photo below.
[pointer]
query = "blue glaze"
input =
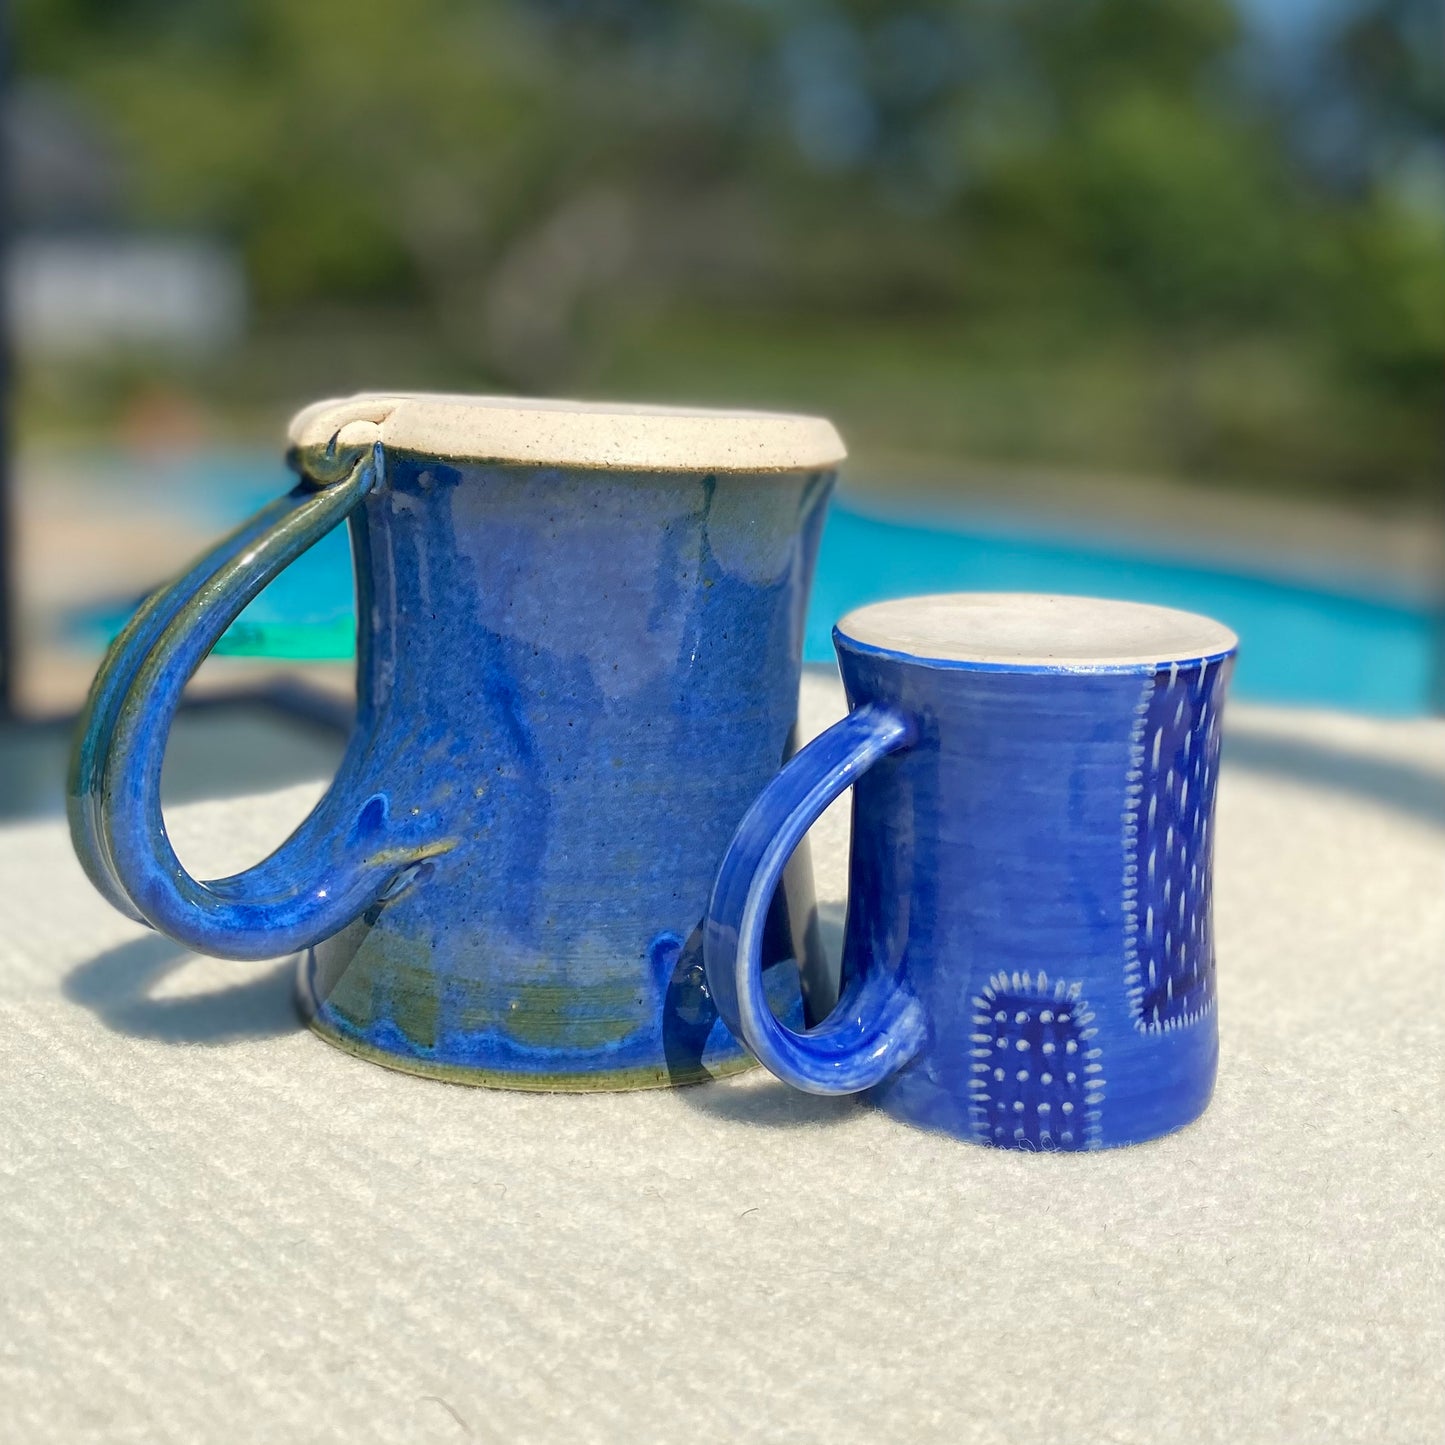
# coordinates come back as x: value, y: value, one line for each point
x: 1029, y: 958
x: 570, y: 685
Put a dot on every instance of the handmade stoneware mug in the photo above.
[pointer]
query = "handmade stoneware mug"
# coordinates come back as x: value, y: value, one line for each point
x: 579, y: 642
x: 1029, y: 951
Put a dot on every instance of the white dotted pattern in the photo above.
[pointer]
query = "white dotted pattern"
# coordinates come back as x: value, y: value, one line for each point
x: 1168, y: 846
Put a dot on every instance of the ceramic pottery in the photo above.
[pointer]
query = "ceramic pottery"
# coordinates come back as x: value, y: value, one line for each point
x: 1029, y: 953
x: 579, y: 642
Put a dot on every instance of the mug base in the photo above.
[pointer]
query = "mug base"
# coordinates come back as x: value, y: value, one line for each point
x: 944, y: 1121
x: 1152, y: 1090
x: 686, y: 1044
x: 599, y: 1081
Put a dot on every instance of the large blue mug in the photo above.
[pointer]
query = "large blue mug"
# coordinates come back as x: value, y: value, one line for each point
x: 578, y: 653
x: 1029, y: 950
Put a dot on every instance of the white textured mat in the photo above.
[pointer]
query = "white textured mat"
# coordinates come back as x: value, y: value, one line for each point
x: 215, y: 1228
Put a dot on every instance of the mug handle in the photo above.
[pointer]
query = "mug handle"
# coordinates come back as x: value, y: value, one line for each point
x: 877, y: 1025
x: 331, y: 868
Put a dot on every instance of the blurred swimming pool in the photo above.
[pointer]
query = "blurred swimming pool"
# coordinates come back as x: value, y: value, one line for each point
x: 1300, y: 643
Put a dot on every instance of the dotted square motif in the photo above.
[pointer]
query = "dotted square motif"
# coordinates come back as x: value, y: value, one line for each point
x: 1037, y: 1077
x: 1168, y: 846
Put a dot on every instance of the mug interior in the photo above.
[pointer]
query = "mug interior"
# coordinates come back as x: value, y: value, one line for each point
x: 1035, y: 631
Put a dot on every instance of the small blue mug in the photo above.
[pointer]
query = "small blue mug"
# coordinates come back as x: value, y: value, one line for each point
x: 578, y: 649
x: 1028, y: 960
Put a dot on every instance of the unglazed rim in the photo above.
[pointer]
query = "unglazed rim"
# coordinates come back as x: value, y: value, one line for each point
x: 526, y: 431
x: 1034, y: 632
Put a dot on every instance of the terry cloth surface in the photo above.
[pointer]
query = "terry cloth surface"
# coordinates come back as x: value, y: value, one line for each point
x: 213, y: 1227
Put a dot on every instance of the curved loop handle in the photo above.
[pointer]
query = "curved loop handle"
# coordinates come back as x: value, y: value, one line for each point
x: 878, y: 1024
x: 330, y: 869
x: 114, y: 681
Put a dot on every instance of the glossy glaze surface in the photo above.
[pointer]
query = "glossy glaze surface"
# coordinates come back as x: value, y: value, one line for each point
x: 1029, y: 954
x: 571, y: 684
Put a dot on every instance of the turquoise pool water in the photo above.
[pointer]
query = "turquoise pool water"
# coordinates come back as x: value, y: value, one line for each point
x: 1299, y: 643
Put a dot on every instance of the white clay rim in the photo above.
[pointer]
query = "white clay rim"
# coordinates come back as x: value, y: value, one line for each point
x: 1034, y: 630
x: 600, y: 435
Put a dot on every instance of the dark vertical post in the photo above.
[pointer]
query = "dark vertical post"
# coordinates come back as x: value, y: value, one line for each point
x: 7, y: 528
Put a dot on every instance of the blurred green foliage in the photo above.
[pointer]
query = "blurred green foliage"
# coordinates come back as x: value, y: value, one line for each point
x: 1102, y: 233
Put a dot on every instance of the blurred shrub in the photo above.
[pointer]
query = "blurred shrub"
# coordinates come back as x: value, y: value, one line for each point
x: 1103, y: 233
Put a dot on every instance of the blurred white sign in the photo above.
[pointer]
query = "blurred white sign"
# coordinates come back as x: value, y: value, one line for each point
x: 70, y: 295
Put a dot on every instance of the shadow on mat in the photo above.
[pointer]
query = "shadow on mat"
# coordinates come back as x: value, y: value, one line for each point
x: 761, y: 1101
x: 758, y: 1099
x: 1418, y: 793
x: 116, y: 987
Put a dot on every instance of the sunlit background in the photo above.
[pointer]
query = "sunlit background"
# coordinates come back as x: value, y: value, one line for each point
x: 1138, y: 297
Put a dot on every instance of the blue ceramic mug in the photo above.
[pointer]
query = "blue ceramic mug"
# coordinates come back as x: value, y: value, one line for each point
x: 1029, y: 952
x: 579, y: 643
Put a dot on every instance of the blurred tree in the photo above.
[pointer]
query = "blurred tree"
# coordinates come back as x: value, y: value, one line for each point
x: 1073, y: 233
